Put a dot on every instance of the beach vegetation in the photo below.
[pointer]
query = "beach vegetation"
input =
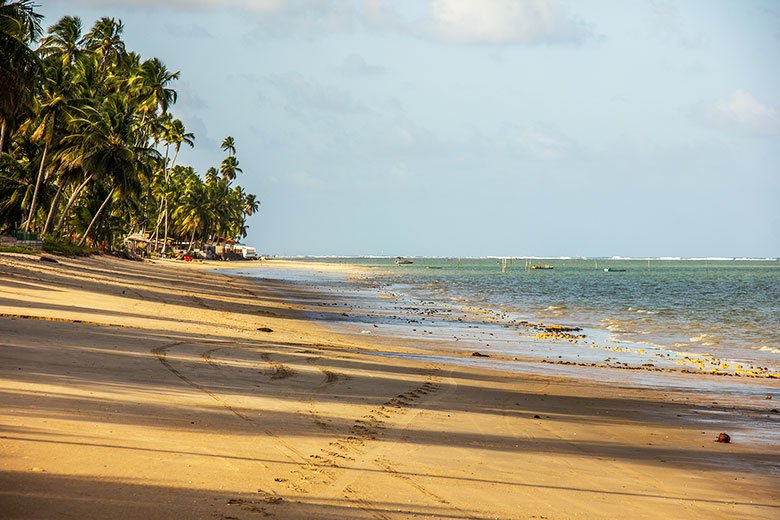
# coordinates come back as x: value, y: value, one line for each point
x: 65, y: 247
x: 89, y: 147
x: 24, y: 250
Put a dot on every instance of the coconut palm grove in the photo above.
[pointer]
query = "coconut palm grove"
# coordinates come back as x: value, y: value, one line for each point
x: 89, y: 143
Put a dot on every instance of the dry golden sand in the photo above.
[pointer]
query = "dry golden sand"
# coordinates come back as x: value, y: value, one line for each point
x: 145, y: 390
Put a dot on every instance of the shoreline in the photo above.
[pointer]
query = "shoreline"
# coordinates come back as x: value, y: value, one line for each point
x: 612, y: 336
x: 745, y: 391
x: 163, y: 389
x: 373, y: 304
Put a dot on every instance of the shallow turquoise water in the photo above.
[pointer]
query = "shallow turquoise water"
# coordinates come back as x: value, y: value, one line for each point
x: 727, y: 308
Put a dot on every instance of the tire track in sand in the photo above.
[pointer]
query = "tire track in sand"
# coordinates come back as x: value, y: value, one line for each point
x: 355, y: 448
x: 291, y: 453
x: 162, y: 356
x: 325, y: 468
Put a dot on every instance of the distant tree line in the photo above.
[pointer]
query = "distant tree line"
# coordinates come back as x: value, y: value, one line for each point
x: 88, y: 143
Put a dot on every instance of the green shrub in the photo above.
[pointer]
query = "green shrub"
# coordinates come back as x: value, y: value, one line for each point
x: 60, y: 246
x: 19, y: 249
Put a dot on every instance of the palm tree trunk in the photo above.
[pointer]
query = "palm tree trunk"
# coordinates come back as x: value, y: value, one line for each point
x: 145, y: 212
x: 165, y: 240
x: 173, y: 162
x: 71, y: 200
x: 149, y: 196
x: 162, y: 200
x: 52, y: 209
x: 37, y: 187
x: 3, y: 131
x: 94, y: 219
x: 192, y: 239
x: 157, y: 227
x: 175, y: 155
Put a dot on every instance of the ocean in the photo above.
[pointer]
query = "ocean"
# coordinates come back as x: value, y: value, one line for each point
x: 710, y: 315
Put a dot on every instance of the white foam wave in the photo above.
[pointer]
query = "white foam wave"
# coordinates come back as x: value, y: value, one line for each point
x: 641, y: 311
x: 615, y: 327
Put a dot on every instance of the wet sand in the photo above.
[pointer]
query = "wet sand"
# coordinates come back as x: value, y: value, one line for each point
x: 164, y: 390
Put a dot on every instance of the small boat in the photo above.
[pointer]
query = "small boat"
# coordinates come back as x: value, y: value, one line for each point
x: 434, y: 267
x: 613, y: 270
x: 545, y: 266
x: 402, y: 261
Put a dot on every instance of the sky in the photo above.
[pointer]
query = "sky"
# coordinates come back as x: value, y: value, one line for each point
x: 481, y: 127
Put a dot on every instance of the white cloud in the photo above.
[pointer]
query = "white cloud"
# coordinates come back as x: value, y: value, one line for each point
x: 742, y: 113
x: 189, y: 5
x: 455, y: 21
x: 273, y: 18
x: 504, y: 22
x: 301, y: 18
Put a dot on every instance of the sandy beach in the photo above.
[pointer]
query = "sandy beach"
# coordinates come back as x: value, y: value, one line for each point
x: 160, y: 390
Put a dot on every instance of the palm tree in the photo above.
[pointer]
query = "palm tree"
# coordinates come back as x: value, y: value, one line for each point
x: 229, y: 168
x: 174, y: 134
x: 88, y: 84
x: 49, y: 108
x: 15, y: 184
x: 81, y: 120
x: 219, y: 195
x: 65, y: 177
x: 63, y: 41
x: 193, y: 212
x: 229, y: 145
x: 251, y: 204
x: 152, y: 86
x: 70, y: 163
x: 103, y: 145
x: 212, y: 175
x: 105, y: 39
x: 86, y: 78
x: 73, y: 73
x: 20, y: 69
x: 19, y: 19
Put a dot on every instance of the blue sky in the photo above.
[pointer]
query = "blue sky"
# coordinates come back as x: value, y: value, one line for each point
x: 481, y: 127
